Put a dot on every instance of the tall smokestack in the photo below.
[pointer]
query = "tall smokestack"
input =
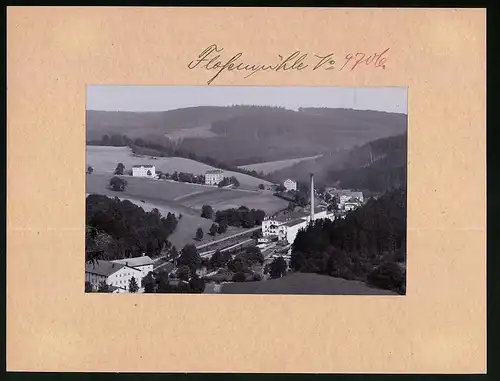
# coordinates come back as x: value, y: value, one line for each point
x: 312, y: 197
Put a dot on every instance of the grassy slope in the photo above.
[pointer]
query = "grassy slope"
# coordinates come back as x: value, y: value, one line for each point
x: 301, y: 283
x: 104, y: 159
x: 183, y: 198
x: 186, y: 228
x: 272, y: 166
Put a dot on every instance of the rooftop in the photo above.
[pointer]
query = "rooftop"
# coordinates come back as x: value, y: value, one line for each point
x: 143, y: 166
x: 345, y: 192
x: 214, y: 171
x: 104, y: 268
x: 136, y: 261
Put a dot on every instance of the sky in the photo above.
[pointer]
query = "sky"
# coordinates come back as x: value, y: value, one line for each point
x: 163, y: 98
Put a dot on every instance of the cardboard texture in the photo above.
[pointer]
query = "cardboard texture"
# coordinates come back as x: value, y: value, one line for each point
x: 438, y: 327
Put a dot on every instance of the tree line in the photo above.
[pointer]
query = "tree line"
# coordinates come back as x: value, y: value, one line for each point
x: 242, y: 217
x: 369, y: 244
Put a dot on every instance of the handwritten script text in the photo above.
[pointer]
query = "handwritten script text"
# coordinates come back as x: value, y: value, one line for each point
x: 211, y: 59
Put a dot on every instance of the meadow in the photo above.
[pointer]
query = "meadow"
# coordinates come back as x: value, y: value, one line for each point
x: 104, y: 159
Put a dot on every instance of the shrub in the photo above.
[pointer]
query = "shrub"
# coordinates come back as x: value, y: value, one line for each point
x: 239, y: 277
x: 389, y: 276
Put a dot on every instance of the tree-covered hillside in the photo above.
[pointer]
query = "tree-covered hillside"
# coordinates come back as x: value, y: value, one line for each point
x: 376, y: 167
x: 368, y: 245
x: 240, y: 135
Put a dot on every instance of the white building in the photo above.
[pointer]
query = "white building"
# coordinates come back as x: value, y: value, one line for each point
x: 348, y: 206
x: 287, y: 227
x: 214, y: 176
x: 144, y: 171
x: 113, y: 274
x: 290, y: 185
x: 288, y: 231
x: 143, y: 264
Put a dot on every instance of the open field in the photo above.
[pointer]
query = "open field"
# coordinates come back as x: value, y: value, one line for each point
x: 185, y: 199
x: 158, y: 192
x: 272, y: 166
x: 104, y: 159
x: 220, y: 199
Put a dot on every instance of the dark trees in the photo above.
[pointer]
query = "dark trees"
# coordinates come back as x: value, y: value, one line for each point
x: 252, y: 255
x: 241, y: 217
x: 125, y: 228
x: 196, y: 284
x: 174, y: 254
x: 219, y: 259
x: 262, y: 187
x: 351, y: 248
x: 257, y: 234
x: 278, y: 267
x: 90, y: 169
x: 88, y: 287
x: 222, y: 227
x: 213, y: 230
x: 118, y: 184
x: 207, y: 212
x: 199, y: 234
x: 184, y: 272
x: 132, y: 285
x: 149, y: 283
x: 103, y: 287
x: 389, y: 276
x: 189, y: 257
x: 239, y: 277
x: 119, y: 169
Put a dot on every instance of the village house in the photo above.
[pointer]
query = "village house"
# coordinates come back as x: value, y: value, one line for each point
x: 144, y: 171
x: 113, y: 274
x: 290, y: 185
x: 344, y: 196
x: 214, y: 176
x: 143, y: 264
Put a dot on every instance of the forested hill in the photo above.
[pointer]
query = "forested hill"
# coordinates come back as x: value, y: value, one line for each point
x: 368, y: 245
x: 240, y: 135
x: 375, y: 167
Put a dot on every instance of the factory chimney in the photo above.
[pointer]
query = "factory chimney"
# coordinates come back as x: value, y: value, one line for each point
x: 312, y: 197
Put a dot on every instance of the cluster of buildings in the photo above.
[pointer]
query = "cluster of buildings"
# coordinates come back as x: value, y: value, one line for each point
x: 144, y: 171
x: 212, y: 176
x: 347, y: 199
x: 118, y: 273
x: 286, y: 227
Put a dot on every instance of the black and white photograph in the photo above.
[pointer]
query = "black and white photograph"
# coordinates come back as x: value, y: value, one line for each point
x: 246, y: 190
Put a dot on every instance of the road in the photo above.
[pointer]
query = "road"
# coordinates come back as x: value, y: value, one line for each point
x: 207, y: 253
x: 228, y: 237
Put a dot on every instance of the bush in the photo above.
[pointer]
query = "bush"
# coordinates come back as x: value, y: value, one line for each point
x: 239, y: 277
x: 389, y: 276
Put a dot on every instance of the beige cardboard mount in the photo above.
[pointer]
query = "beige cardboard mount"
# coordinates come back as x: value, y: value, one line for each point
x: 438, y: 327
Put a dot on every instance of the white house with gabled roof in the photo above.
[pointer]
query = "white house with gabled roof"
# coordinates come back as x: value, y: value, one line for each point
x: 144, y: 171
